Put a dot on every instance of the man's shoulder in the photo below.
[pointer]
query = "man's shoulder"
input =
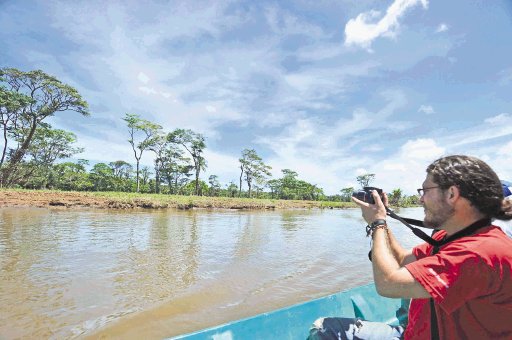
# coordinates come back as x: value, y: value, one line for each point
x: 489, y: 241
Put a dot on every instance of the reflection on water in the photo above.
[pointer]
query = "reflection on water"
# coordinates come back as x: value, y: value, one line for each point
x: 152, y: 274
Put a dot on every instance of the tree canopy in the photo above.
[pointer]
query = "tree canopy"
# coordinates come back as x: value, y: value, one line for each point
x: 28, y: 98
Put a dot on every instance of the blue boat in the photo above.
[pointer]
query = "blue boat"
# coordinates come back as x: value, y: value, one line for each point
x: 293, y: 322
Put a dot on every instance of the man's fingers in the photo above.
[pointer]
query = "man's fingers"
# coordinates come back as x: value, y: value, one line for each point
x: 376, y: 196
x: 360, y: 203
x: 385, y: 199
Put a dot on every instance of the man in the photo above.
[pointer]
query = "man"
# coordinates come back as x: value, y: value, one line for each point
x: 466, y: 277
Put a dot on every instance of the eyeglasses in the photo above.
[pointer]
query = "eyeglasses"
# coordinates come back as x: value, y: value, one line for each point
x: 421, y: 191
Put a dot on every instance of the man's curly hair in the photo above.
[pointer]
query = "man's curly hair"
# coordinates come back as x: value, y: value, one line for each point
x: 476, y: 181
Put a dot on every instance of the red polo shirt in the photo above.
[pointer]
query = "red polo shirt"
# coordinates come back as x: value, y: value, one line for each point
x: 470, y: 280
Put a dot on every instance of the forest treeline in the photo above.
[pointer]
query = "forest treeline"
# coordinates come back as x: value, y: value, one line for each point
x: 33, y: 153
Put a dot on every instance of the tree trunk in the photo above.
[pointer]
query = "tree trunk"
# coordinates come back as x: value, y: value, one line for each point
x: 18, y: 155
x: 157, y: 177
x: 5, y: 146
x: 240, y: 187
x: 197, y: 180
x: 138, y: 175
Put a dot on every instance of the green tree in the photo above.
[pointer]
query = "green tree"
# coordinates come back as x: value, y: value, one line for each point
x: 346, y: 193
x: 148, y: 130
x: 175, y: 168
x: 12, y: 105
x: 365, y: 179
x: 275, y: 186
x: 47, y: 96
x: 231, y: 189
x: 396, y: 197
x: 159, y: 146
x: 102, y: 177
x: 190, y: 188
x: 195, y: 144
x: 72, y: 176
x: 49, y: 145
x: 145, y: 174
x: 254, y: 168
x: 121, y: 169
x: 214, y: 188
x: 289, y: 184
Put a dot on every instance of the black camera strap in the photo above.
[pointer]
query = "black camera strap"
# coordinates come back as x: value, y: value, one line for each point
x: 438, y: 243
x: 418, y: 232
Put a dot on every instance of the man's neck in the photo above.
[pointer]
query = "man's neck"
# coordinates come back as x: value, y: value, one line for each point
x: 460, y: 221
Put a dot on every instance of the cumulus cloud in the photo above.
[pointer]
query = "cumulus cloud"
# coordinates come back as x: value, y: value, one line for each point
x: 406, y: 168
x: 368, y: 26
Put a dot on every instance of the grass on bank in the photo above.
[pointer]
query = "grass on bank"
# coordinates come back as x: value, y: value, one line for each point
x: 160, y: 201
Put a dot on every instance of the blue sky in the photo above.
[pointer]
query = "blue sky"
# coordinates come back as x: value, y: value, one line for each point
x: 330, y: 89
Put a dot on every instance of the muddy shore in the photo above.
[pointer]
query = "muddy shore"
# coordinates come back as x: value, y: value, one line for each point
x: 64, y: 199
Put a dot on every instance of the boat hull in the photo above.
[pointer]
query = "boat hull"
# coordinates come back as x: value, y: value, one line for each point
x: 294, y: 322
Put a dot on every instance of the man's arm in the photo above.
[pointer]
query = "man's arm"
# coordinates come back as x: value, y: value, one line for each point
x: 391, y: 278
x: 402, y: 255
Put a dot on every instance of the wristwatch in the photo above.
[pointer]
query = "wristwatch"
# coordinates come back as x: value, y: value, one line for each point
x: 377, y: 223
x: 374, y: 225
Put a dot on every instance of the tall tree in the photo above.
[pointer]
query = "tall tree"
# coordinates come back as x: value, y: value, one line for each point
x: 175, y: 168
x: 396, y: 197
x: 365, y: 179
x: 214, y: 188
x: 275, y: 187
x: 47, y: 146
x: 47, y: 96
x: 231, y: 189
x: 346, y: 193
x: 195, y: 144
x: 12, y: 104
x: 72, y: 176
x: 136, y: 127
x: 159, y: 147
x: 254, y: 167
x: 289, y: 184
x: 102, y: 177
x: 121, y: 169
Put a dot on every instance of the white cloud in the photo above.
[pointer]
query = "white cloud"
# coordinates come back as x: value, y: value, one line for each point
x: 442, y: 28
x: 323, y: 150
x: 493, y: 128
x: 421, y: 149
x: 503, y: 118
x: 285, y: 23
x: 225, y: 166
x: 406, y: 168
x: 367, y: 26
x: 427, y: 109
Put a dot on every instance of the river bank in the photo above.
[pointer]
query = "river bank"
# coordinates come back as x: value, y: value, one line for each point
x: 118, y: 200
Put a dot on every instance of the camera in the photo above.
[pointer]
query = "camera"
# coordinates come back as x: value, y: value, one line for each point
x: 365, y: 195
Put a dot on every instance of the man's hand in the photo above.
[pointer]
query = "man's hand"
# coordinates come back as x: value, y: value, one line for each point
x: 372, y: 212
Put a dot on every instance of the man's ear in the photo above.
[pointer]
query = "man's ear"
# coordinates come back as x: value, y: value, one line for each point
x: 453, y: 193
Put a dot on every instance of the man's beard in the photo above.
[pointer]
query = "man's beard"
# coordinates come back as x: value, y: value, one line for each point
x: 438, y: 215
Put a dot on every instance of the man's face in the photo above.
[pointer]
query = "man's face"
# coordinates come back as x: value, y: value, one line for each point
x: 437, y: 208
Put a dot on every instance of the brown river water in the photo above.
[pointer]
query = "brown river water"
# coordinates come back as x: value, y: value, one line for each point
x: 103, y: 274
